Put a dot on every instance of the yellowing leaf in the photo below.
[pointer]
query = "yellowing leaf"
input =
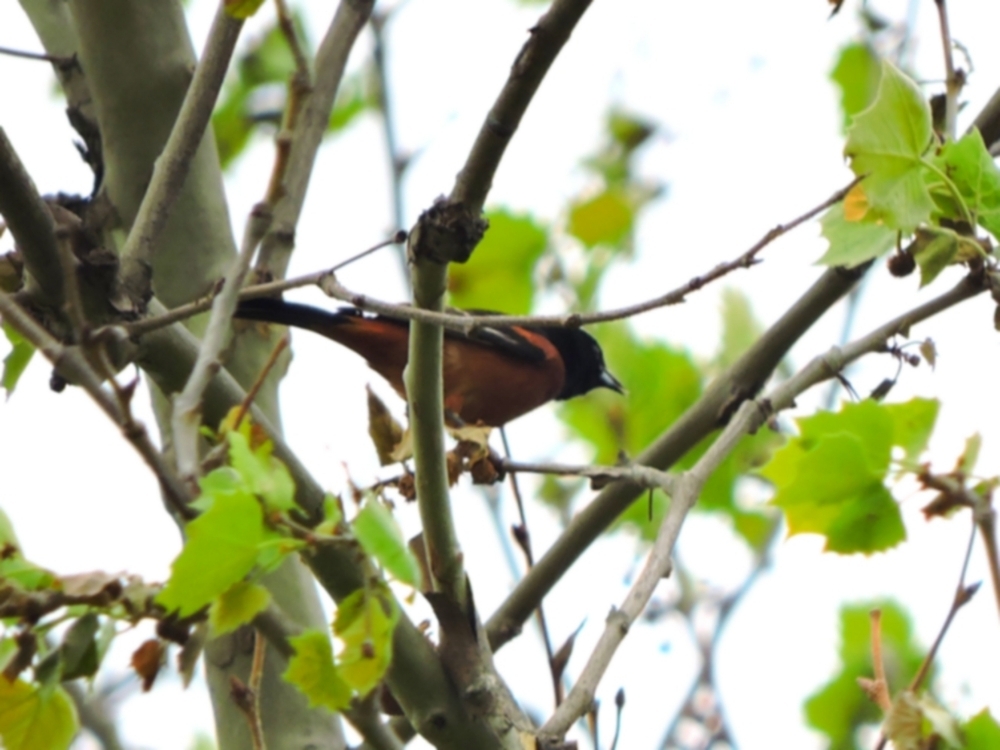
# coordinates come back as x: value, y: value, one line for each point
x: 313, y: 672
x: 855, y: 203
x: 886, y: 143
x: 33, y: 719
x: 237, y: 606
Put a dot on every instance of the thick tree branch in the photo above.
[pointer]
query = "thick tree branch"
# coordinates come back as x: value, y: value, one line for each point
x: 532, y: 63
x: 720, y: 400
x: 750, y: 417
x: 31, y: 223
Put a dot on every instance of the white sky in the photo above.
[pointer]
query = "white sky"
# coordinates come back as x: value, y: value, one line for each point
x: 752, y: 122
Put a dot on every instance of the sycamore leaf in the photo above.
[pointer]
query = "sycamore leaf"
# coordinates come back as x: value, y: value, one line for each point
x: 856, y: 73
x: 499, y: 274
x: 35, y: 719
x: 972, y: 170
x: 887, y: 142
x: 365, y: 622
x: 238, y: 605
x: 982, y: 732
x: 221, y: 548
x: 380, y: 536
x: 830, y: 479
x: 313, y: 672
x: 853, y: 242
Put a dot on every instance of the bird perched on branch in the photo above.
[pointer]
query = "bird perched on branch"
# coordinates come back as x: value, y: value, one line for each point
x: 492, y: 375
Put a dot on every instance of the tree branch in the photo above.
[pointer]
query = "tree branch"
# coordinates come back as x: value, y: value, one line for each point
x: 31, y: 223
x: 750, y: 416
x: 530, y: 66
x: 307, y: 132
x: 722, y: 397
x: 186, y: 418
x: 172, y: 166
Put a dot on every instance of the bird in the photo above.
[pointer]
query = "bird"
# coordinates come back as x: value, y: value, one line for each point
x: 492, y: 375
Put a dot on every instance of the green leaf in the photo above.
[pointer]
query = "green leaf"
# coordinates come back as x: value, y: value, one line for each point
x: 887, y: 143
x: 264, y: 475
x: 605, y: 219
x: 840, y: 707
x: 25, y: 575
x: 934, y: 250
x: 238, y: 605
x: 380, y: 536
x: 365, y: 622
x: 830, y: 479
x: 221, y: 549
x: 969, y: 166
x: 79, y: 648
x: 912, y: 424
x: 16, y: 361
x: 853, y: 242
x: 982, y: 732
x: 857, y: 73
x: 33, y: 719
x: 499, y: 274
x: 313, y: 672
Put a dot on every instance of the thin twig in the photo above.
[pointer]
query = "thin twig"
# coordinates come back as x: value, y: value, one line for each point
x: 59, y: 61
x: 748, y: 418
x: 268, y: 289
x: 645, y: 476
x: 398, y: 162
x: 272, y: 359
x: 174, y: 162
x: 466, y: 323
x: 186, y: 417
x: 287, y: 25
x: 71, y: 362
x: 256, y: 680
x: 523, y: 538
x: 306, y: 132
x: 738, y: 383
x: 953, y: 79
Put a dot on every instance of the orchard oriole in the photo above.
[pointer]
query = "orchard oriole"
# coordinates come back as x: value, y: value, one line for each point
x: 492, y: 375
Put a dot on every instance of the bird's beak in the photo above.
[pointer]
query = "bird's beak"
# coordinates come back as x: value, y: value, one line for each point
x: 610, y: 381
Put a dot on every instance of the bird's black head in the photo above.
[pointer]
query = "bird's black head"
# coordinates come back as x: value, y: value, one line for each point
x: 584, y: 360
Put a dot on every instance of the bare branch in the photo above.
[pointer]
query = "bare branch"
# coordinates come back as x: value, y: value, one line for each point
x: 172, y: 166
x: 718, y: 401
x: 187, y: 406
x: 954, y: 80
x: 30, y: 222
x: 307, y: 133
x: 532, y: 63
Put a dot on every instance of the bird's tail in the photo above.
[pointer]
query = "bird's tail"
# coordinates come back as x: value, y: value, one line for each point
x: 274, y: 310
